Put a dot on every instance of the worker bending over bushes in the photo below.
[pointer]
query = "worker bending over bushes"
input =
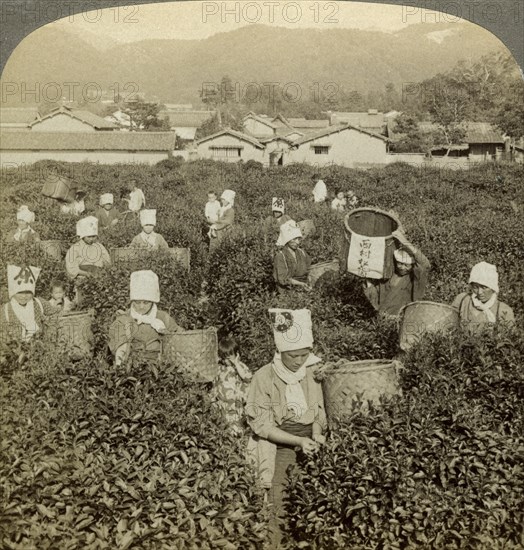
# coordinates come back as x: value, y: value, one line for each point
x: 148, y: 238
x: 24, y: 233
x: 106, y: 213
x: 24, y: 315
x: 480, y: 307
x: 291, y: 263
x: 140, y: 331
x: 285, y: 405
x: 278, y: 216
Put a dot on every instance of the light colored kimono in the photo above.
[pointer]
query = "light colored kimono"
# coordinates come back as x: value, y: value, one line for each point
x: 153, y: 241
x: 267, y: 408
x: 82, y: 254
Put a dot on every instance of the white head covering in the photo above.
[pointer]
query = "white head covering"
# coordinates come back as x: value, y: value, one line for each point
x: 277, y: 205
x: 229, y: 196
x: 144, y: 286
x: 320, y: 191
x: 485, y: 274
x: 403, y: 256
x: 288, y: 232
x: 148, y: 217
x: 21, y: 279
x: 24, y: 214
x: 106, y: 198
x: 87, y: 227
x: 292, y: 329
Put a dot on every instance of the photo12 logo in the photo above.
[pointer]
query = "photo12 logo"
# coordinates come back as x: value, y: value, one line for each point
x: 226, y: 91
x: 45, y: 11
x: 270, y: 12
x: 453, y: 11
x: 69, y: 92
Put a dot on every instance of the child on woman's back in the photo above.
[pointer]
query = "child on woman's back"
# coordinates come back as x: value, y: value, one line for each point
x: 231, y: 385
x: 59, y: 298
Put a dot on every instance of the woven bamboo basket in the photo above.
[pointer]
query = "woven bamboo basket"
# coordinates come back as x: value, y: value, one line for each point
x: 344, y: 381
x: 128, y: 254
x: 52, y: 249
x: 371, y: 222
x: 307, y: 227
x: 317, y: 271
x: 195, y: 350
x: 73, y: 331
x: 417, y: 318
x: 59, y: 187
x: 131, y: 254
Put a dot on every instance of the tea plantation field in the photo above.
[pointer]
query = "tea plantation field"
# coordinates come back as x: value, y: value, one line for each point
x: 93, y: 456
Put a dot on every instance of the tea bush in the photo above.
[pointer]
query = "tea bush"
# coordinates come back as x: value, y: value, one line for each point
x: 95, y: 456
x: 440, y: 467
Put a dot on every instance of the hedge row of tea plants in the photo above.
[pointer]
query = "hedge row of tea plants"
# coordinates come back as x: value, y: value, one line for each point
x: 440, y: 467
x: 94, y: 456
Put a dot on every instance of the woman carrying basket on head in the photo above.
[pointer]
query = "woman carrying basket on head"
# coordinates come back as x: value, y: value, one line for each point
x: 408, y: 282
x: 140, y: 331
x: 481, y: 307
x: 285, y: 406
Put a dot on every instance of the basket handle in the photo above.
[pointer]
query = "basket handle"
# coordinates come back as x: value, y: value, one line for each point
x: 398, y: 366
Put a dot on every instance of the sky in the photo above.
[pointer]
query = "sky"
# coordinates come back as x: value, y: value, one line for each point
x: 198, y: 20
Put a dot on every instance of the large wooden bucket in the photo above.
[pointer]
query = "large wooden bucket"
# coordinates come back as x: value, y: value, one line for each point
x: 344, y: 381
x: 59, y: 187
x: 416, y: 318
x: 52, y: 249
x: 307, y: 227
x: 194, y: 350
x: 317, y: 271
x: 73, y: 331
x: 370, y: 222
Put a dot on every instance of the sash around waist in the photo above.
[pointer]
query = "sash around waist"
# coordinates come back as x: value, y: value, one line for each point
x: 294, y: 428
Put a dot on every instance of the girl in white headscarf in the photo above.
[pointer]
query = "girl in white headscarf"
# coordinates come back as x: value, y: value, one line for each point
x: 285, y: 405
x: 139, y: 332
x: 106, y: 213
x: 24, y: 232
x: 480, y: 307
x: 24, y: 315
x: 148, y: 238
x: 278, y: 216
x: 291, y: 263
x: 226, y: 217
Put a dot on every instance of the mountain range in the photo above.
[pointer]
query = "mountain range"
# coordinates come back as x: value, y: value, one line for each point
x: 174, y: 70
